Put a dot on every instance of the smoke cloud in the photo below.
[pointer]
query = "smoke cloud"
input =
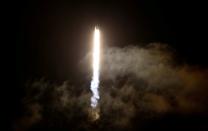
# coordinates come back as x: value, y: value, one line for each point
x: 138, y: 85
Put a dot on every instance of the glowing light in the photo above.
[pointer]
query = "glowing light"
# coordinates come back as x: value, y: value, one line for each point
x: 96, y: 61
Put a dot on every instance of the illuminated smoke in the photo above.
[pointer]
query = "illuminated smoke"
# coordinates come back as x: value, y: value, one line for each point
x: 95, y: 78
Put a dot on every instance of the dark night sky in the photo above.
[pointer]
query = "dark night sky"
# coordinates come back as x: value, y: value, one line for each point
x: 49, y: 33
x: 52, y: 36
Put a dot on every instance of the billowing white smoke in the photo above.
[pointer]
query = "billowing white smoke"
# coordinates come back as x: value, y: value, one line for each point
x: 95, y: 78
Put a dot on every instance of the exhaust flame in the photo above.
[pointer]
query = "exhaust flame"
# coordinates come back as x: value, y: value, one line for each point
x: 95, y: 78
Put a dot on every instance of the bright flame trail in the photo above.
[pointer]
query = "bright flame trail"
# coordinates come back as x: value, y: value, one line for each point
x: 95, y: 78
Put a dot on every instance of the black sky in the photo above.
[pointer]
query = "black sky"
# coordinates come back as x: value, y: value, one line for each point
x: 52, y: 36
x: 49, y: 33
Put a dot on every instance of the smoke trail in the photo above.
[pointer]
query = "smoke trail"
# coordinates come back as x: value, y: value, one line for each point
x: 95, y: 78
